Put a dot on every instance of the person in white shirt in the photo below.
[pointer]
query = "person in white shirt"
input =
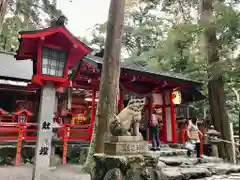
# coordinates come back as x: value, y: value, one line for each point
x: 193, y: 136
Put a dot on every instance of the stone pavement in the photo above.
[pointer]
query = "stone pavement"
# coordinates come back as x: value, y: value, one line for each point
x: 63, y: 172
x: 224, y: 177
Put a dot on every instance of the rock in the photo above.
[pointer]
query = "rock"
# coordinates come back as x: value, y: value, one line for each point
x: 172, y: 152
x: 175, y: 173
x: 134, y: 174
x: 213, y: 159
x: 113, y: 174
x: 147, y: 174
x: 171, y: 174
x: 27, y: 153
x: 220, y: 168
x: 7, y: 155
x: 158, y: 175
x: 170, y: 161
x: 177, y: 161
x: 224, y: 177
x: 77, y: 154
x: 161, y: 165
x: 195, y: 173
x: 131, y: 166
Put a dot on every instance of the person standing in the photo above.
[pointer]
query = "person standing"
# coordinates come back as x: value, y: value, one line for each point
x: 154, y: 130
x: 193, y: 136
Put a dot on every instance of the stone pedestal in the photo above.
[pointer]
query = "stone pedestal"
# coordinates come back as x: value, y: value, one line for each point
x: 122, y: 159
x: 125, y: 145
x: 215, y: 145
x: 109, y: 167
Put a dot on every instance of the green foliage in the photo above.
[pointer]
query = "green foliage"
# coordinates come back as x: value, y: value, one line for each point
x: 168, y: 38
x: 25, y: 15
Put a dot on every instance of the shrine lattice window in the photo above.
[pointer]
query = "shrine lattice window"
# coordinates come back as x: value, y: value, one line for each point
x: 53, y: 62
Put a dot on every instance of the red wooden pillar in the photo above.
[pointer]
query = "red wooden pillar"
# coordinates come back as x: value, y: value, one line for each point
x: 19, y: 145
x: 65, y: 144
x: 173, y: 120
x: 149, y: 116
x: 93, y: 110
x: 164, y: 117
x: 120, y: 102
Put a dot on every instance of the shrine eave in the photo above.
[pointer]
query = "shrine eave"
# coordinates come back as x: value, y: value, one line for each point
x: 140, y: 71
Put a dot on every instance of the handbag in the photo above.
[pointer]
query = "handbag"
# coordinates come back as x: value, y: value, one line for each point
x: 190, y: 145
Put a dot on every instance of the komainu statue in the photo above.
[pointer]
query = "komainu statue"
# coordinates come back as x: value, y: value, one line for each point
x: 127, y: 122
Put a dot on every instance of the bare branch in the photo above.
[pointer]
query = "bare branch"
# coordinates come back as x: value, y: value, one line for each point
x: 236, y: 91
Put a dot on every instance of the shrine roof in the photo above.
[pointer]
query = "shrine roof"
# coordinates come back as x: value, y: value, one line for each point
x: 53, y: 36
x: 143, y: 71
x: 52, y: 30
x: 10, y: 68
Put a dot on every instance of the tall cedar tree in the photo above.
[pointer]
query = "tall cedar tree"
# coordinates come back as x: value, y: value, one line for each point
x: 217, y: 99
x: 109, y: 87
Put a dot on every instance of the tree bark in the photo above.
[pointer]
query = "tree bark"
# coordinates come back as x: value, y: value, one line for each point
x: 237, y: 93
x: 89, y: 164
x: 217, y: 99
x: 109, y: 87
x: 3, y: 10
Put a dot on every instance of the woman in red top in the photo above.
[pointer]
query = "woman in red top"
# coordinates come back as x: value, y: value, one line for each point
x: 154, y: 129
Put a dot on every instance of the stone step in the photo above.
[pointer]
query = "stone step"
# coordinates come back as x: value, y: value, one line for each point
x: 169, y: 145
x: 220, y: 168
x: 151, y: 157
x: 177, y: 173
x: 184, y: 161
x: 235, y: 176
x: 205, y: 171
x: 167, y: 152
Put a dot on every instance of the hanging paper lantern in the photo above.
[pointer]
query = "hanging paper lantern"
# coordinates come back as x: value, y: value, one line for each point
x: 176, y: 97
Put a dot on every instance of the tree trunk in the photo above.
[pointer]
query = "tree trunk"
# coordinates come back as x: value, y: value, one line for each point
x: 216, y: 93
x: 109, y: 87
x: 89, y: 164
x: 3, y: 10
x: 239, y: 127
x: 237, y: 93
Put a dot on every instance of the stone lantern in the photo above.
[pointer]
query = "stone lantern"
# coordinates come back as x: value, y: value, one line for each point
x: 213, y: 139
x: 54, y: 51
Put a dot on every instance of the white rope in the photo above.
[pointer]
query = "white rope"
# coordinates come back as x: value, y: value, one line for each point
x: 222, y: 140
x: 219, y: 139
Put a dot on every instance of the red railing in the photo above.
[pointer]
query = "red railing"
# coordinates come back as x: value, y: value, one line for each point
x: 27, y: 132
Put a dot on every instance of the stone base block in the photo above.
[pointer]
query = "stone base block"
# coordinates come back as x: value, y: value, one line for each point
x: 125, y: 145
x: 123, y: 138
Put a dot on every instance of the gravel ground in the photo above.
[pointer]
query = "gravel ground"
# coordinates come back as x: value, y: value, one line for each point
x: 64, y: 172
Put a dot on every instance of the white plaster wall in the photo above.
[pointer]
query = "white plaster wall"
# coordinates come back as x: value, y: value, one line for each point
x: 167, y: 97
x: 157, y: 99
x: 168, y: 116
x: 169, y: 124
x: 56, y: 105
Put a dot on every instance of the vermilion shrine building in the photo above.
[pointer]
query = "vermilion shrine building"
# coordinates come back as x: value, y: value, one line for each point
x: 76, y: 105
